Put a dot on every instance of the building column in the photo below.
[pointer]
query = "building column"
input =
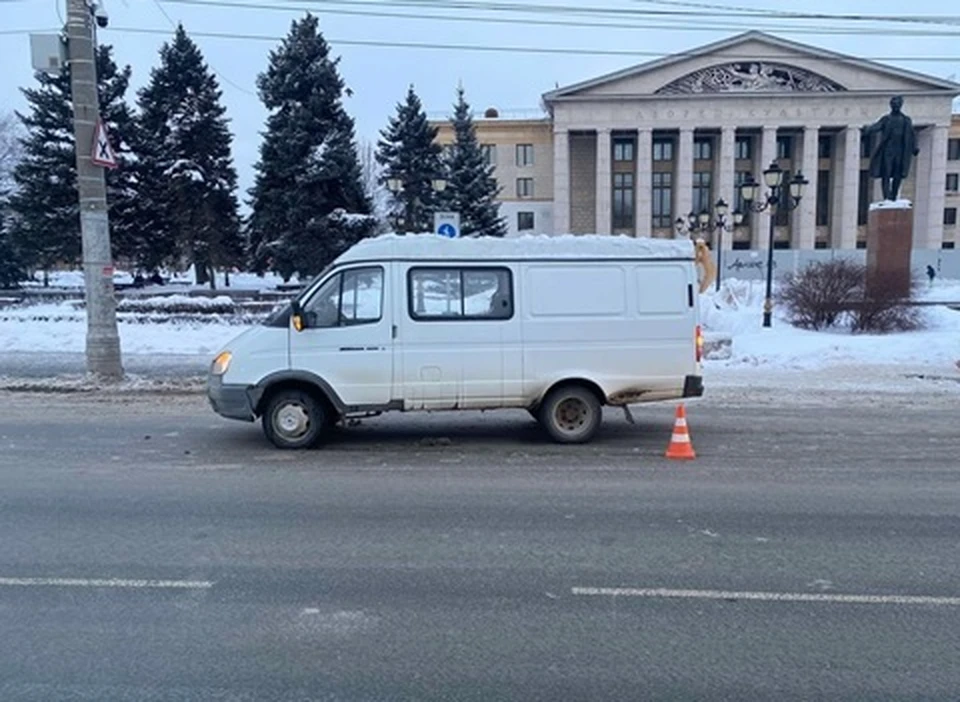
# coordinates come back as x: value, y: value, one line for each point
x: 604, y: 183
x: 561, y: 181
x: 929, y: 233
x: 683, y: 192
x: 768, y: 154
x: 846, y: 238
x: 726, y: 177
x: 644, y: 183
x: 803, y: 228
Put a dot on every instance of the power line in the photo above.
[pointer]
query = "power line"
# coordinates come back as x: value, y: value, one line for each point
x: 722, y: 11
x: 793, y: 29
x: 222, y: 77
x: 373, y: 43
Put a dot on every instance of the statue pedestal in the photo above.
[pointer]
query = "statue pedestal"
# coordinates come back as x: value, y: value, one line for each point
x: 889, y: 245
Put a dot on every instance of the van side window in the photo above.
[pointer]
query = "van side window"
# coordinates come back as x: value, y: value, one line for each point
x: 347, y: 299
x: 460, y: 294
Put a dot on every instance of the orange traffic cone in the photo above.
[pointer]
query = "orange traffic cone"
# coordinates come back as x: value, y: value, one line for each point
x: 680, y: 446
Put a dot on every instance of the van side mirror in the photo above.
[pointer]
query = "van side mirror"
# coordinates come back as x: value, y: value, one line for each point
x: 296, y: 315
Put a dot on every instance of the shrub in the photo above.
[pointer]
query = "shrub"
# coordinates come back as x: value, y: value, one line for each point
x: 818, y: 296
x: 881, y: 312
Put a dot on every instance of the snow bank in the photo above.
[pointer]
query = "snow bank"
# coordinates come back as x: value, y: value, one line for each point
x: 737, y: 311
x: 567, y: 246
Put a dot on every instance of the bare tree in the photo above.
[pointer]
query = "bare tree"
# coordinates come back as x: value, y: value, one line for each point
x: 370, y: 177
x: 10, y: 149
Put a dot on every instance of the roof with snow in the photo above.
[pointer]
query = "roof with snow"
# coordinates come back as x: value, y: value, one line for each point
x: 581, y: 246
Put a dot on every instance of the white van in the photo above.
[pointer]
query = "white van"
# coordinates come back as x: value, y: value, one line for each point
x: 559, y: 326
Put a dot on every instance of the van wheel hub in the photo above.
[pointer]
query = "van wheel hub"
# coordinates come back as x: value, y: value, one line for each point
x: 292, y: 420
x: 572, y: 414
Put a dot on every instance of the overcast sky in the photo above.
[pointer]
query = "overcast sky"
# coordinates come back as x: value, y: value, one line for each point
x: 510, y: 81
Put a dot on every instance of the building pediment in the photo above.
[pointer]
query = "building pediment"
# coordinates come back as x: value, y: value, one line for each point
x: 753, y: 63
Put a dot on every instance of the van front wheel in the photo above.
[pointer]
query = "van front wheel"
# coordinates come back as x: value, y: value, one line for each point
x: 294, y: 419
x: 571, y: 414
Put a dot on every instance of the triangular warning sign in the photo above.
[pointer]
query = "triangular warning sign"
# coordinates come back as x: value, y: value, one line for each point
x: 102, y: 151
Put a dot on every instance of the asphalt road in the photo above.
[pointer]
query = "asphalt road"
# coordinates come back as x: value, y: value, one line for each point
x: 449, y: 557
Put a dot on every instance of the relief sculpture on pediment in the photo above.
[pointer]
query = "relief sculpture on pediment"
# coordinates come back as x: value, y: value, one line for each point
x: 751, y: 77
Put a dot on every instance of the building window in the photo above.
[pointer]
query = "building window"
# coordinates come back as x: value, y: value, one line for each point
x: 739, y: 179
x: 525, y: 221
x: 781, y: 215
x: 953, y: 182
x: 823, y: 198
x: 623, y: 149
x: 948, y: 245
x: 741, y: 245
x: 454, y: 294
x: 662, y: 149
x: 702, y: 149
x: 950, y: 216
x: 489, y: 154
x: 702, y: 192
x: 781, y: 244
x: 825, y: 146
x: 663, y: 200
x: 744, y: 148
x: 820, y: 244
x: 785, y: 147
x: 524, y: 187
x: 863, y: 203
x: 953, y: 150
x: 861, y: 243
x: 524, y: 154
x: 623, y: 199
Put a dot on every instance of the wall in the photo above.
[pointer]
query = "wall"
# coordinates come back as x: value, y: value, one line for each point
x: 752, y: 265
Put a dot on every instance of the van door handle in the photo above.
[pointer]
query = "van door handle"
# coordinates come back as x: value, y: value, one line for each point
x: 393, y: 331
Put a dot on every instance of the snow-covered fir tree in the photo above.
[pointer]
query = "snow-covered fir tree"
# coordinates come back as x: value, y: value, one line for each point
x: 308, y: 200
x: 45, y: 215
x: 408, y: 151
x: 471, y: 187
x: 189, y: 181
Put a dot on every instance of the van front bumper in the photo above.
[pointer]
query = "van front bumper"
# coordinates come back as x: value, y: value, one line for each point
x: 693, y: 386
x: 230, y: 401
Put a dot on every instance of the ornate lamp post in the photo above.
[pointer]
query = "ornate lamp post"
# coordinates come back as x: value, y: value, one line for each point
x: 396, y: 186
x: 780, y: 195
x: 721, y: 223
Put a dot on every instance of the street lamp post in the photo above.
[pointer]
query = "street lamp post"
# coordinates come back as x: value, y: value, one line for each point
x: 721, y: 223
x: 779, y: 196
x: 396, y: 186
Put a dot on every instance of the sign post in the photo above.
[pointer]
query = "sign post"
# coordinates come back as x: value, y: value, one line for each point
x: 447, y: 224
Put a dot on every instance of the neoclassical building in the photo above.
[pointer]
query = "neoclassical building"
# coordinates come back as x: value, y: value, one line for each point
x: 630, y: 152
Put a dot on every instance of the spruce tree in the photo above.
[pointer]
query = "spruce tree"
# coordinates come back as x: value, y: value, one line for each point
x: 308, y: 199
x: 44, y: 208
x: 471, y: 188
x: 11, y: 273
x: 188, y: 178
x: 408, y: 151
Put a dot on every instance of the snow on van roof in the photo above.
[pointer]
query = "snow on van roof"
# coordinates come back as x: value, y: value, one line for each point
x: 429, y: 246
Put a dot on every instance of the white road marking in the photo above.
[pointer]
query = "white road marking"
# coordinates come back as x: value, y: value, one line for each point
x: 665, y: 593
x: 110, y: 582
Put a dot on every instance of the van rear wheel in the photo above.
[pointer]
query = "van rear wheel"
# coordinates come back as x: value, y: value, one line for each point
x: 571, y: 414
x: 294, y: 419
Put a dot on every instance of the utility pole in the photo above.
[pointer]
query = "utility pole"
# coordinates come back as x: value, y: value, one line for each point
x: 103, y: 340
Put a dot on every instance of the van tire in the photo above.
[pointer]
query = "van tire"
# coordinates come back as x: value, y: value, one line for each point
x: 571, y: 414
x: 294, y: 419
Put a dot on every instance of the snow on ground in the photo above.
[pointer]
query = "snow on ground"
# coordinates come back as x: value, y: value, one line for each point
x: 737, y: 312
x: 781, y: 356
x: 73, y: 280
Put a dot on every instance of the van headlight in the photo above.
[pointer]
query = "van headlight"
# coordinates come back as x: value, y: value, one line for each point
x: 221, y: 363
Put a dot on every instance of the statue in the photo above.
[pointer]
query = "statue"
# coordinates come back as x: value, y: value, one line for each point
x: 896, y: 147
